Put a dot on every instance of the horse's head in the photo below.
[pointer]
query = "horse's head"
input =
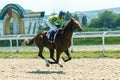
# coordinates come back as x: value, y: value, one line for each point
x: 75, y: 24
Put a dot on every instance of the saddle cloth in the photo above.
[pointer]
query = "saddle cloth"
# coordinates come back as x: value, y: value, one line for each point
x: 48, y: 36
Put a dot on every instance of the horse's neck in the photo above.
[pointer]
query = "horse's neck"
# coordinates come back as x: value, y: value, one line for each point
x: 68, y: 35
x: 68, y: 31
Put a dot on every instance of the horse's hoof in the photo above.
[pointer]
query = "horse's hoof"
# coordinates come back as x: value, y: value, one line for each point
x: 63, y: 59
x: 61, y: 65
x: 47, y: 65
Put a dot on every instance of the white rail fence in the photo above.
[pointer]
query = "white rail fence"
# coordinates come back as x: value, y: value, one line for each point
x: 103, y: 35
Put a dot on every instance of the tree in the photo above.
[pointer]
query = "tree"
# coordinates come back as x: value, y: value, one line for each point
x: 104, y: 20
x: 116, y: 20
x: 84, y: 20
x: 68, y: 15
x: 94, y: 23
x: 76, y: 17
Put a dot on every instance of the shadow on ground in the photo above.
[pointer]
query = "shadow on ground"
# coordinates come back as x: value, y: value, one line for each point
x: 46, y: 72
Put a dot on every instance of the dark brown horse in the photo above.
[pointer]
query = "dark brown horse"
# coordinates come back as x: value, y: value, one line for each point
x: 62, y: 42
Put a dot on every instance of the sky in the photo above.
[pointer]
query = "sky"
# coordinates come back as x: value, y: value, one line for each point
x: 50, y: 6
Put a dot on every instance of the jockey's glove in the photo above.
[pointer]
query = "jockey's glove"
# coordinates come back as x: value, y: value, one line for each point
x: 62, y: 26
x: 58, y: 26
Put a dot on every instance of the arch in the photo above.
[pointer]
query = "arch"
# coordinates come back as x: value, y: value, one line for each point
x: 15, y: 7
x: 7, y: 23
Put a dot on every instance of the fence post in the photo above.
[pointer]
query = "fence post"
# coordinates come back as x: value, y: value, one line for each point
x: 10, y: 47
x: 17, y: 42
x: 103, y: 42
x: 71, y: 49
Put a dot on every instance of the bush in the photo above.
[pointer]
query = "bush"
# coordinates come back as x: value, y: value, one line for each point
x: 6, y: 43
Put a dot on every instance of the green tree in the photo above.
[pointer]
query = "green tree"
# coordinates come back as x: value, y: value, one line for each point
x: 106, y: 19
x: 68, y: 15
x: 84, y: 20
x: 116, y: 21
x: 76, y: 17
x: 94, y: 23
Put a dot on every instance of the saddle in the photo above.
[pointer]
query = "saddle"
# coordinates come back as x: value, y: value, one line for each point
x: 51, y: 36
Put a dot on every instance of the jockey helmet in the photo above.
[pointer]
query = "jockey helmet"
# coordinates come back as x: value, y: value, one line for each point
x: 61, y: 13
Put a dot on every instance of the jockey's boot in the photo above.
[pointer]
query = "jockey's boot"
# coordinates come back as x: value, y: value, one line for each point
x: 51, y: 36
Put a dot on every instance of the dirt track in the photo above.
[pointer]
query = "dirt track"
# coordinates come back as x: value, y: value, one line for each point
x: 76, y: 69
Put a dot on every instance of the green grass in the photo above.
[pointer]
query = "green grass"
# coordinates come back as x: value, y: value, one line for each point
x: 81, y: 54
x: 96, y: 54
x: 96, y: 41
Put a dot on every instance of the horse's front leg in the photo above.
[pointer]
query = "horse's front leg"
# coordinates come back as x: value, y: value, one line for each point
x: 52, y: 54
x: 68, y: 54
x: 57, y: 59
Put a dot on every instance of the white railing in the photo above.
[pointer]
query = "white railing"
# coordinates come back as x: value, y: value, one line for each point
x: 101, y: 34
x: 15, y: 37
x: 75, y: 35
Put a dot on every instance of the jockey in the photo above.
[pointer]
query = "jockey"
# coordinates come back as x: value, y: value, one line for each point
x: 54, y: 22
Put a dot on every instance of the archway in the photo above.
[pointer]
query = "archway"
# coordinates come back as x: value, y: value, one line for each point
x: 21, y: 18
x: 16, y: 7
x: 20, y: 25
x: 16, y: 12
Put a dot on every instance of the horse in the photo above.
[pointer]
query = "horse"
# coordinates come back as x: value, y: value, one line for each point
x: 62, y: 42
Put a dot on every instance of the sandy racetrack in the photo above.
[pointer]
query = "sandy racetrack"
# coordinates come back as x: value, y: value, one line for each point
x: 76, y: 69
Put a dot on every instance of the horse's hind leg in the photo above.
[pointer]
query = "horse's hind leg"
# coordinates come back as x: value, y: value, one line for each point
x: 40, y: 52
x: 41, y: 55
x: 68, y: 54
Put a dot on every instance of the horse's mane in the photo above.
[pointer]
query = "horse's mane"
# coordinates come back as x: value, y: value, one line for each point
x: 68, y: 24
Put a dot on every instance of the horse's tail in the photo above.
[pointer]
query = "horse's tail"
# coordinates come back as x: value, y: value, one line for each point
x: 28, y: 43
